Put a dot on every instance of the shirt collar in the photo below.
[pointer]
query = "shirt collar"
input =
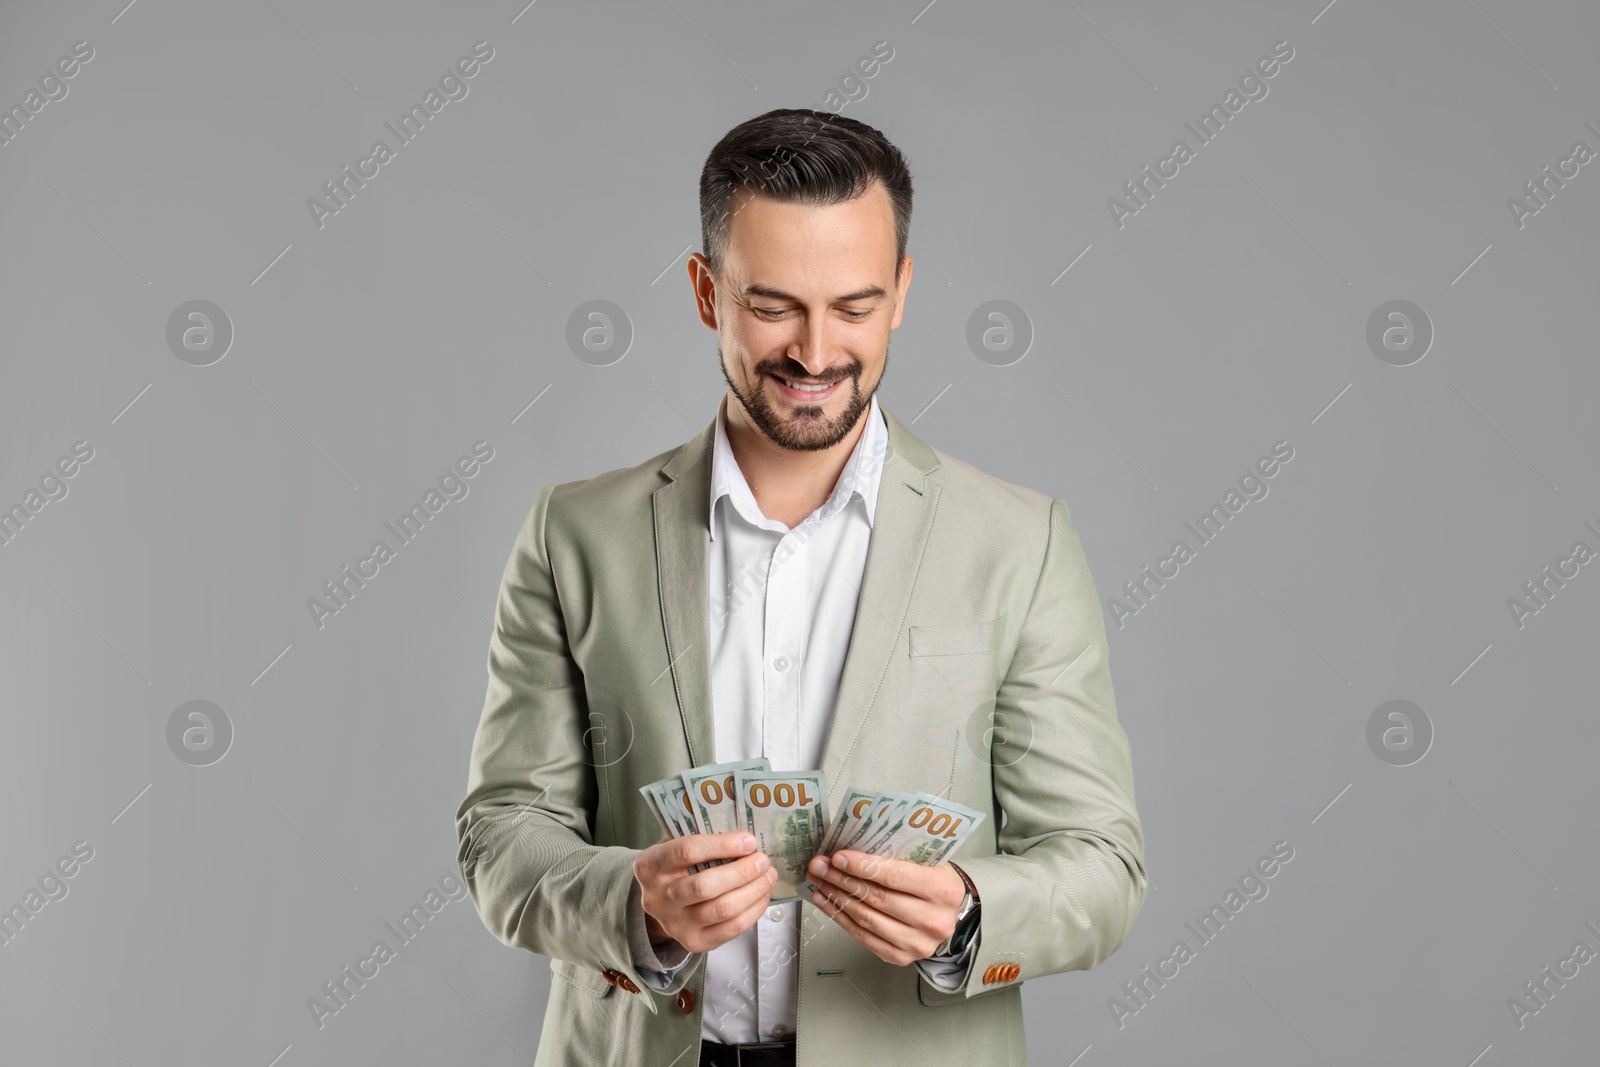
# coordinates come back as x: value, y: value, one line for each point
x: 860, y: 477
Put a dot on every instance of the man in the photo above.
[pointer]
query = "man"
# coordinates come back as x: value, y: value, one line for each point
x: 804, y: 580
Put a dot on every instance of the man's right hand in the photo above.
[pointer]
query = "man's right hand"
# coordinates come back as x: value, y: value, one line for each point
x: 711, y: 907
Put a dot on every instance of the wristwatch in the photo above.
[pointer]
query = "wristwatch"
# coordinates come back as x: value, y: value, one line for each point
x: 966, y: 919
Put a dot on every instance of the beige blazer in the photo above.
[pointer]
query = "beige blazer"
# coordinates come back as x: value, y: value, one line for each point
x: 978, y: 668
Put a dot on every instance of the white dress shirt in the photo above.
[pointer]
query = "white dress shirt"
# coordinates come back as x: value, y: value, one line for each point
x: 782, y: 603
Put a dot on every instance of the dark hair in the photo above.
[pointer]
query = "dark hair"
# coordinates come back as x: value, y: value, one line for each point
x: 797, y: 155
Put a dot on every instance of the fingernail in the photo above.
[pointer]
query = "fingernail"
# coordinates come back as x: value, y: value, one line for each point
x: 747, y: 842
x: 841, y: 861
x: 819, y: 865
x: 772, y: 875
x: 762, y: 863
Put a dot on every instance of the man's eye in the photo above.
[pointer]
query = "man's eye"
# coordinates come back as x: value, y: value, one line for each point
x: 773, y: 313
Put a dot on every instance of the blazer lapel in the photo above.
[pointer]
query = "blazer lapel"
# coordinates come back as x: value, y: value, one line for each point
x: 683, y: 549
x: 900, y: 527
x: 901, y: 524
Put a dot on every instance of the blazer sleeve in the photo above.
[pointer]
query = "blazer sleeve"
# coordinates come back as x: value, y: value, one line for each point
x: 525, y: 830
x: 1069, y: 878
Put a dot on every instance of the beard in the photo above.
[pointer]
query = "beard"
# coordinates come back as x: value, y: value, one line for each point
x: 809, y: 428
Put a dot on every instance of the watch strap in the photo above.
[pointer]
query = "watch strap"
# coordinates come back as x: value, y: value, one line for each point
x: 968, y: 881
x: 966, y: 919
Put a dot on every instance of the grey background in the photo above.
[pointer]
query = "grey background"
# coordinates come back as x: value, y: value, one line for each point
x: 1229, y: 314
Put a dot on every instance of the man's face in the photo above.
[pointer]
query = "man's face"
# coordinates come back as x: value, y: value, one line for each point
x: 807, y: 297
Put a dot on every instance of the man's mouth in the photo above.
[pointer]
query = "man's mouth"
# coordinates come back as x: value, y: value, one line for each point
x: 800, y: 389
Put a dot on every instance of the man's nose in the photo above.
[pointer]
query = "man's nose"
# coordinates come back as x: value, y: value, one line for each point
x: 811, y: 350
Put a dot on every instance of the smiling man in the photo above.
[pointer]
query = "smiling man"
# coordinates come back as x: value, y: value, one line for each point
x: 808, y: 581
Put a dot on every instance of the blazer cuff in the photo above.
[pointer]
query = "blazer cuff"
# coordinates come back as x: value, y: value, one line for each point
x: 1005, y: 886
x: 660, y: 965
x: 949, y: 971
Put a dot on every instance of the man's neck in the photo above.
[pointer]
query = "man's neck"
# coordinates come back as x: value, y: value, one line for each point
x: 788, y: 485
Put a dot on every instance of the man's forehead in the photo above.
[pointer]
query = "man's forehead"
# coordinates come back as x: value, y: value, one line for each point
x: 773, y: 292
x: 840, y: 259
x: 873, y: 205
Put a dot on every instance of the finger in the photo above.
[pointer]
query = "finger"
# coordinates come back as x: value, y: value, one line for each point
x: 869, y: 918
x: 891, y: 873
x: 713, y: 882
x: 912, y: 910
x: 870, y: 940
x: 681, y: 853
x: 701, y: 848
x: 733, y: 903
x: 723, y: 932
x: 901, y: 905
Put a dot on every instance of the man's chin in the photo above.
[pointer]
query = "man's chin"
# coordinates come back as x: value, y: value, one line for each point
x: 803, y: 418
x: 809, y: 432
x: 797, y: 425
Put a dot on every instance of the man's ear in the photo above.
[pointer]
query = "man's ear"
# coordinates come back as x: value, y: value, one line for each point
x: 900, y: 292
x: 704, y: 285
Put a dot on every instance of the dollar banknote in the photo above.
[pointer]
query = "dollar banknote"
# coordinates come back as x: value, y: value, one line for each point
x: 712, y: 795
x: 783, y: 810
x: 920, y: 828
x: 887, y: 813
x: 864, y: 822
x: 854, y: 809
x: 675, y: 801
x: 927, y: 830
x: 670, y: 801
x: 648, y: 792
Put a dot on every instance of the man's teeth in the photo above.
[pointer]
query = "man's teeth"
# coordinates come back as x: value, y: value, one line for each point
x: 806, y: 388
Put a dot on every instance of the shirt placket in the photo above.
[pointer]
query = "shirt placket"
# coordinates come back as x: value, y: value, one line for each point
x: 782, y: 645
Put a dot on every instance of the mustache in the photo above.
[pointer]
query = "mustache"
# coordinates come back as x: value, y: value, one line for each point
x: 787, y: 369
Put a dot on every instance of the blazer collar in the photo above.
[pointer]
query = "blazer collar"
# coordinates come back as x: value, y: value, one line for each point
x: 860, y: 476
x: 694, y: 455
x: 907, y: 499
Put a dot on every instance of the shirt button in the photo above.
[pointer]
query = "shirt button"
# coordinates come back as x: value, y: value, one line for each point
x: 775, y: 914
x: 782, y: 663
x: 779, y: 1030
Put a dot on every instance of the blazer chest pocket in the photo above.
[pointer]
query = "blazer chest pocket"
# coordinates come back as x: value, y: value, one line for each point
x: 951, y: 674
x: 955, y: 639
x: 588, y: 979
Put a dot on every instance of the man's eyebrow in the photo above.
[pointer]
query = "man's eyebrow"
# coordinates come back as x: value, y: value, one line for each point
x: 869, y: 292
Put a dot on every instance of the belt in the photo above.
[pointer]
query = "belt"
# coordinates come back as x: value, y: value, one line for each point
x: 764, y: 1053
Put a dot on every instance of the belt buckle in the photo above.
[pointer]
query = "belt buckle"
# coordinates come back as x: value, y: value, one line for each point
x: 739, y: 1050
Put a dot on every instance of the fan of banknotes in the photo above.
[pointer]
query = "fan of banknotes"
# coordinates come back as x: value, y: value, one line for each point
x: 783, y: 811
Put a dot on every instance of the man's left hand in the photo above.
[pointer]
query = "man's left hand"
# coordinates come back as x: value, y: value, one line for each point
x: 899, y: 910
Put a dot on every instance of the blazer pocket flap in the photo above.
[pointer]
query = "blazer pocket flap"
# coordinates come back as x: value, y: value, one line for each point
x: 588, y: 979
x: 956, y: 639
